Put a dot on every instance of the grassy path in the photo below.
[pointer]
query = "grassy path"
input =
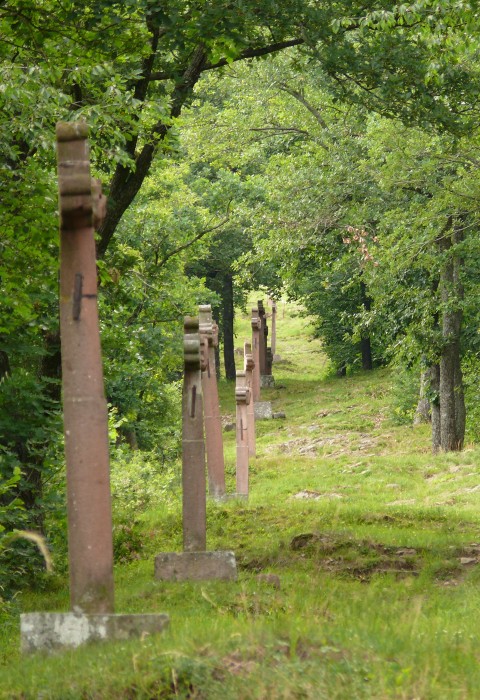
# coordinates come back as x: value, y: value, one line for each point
x: 371, y: 543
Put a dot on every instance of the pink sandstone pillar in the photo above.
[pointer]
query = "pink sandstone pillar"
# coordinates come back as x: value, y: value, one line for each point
x: 213, y: 423
x: 193, y: 447
x: 82, y: 206
x: 249, y: 369
x: 256, y: 329
x: 85, y: 408
x: 242, y: 396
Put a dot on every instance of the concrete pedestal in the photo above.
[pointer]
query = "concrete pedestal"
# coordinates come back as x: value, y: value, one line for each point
x: 50, y: 631
x: 263, y: 410
x: 235, y: 497
x: 195, y: 566
x: 267, y: 381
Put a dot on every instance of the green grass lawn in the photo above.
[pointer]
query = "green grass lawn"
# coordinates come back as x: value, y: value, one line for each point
x: 374, y: 545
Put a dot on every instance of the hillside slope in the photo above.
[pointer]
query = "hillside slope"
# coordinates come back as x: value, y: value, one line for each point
x: 358, y: 556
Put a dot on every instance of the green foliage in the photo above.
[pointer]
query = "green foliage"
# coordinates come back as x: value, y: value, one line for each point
x: 15, y: 557
x: 140, y: 481
x: 353, y: 206
x: 405, y: 393
x: 471, y: 371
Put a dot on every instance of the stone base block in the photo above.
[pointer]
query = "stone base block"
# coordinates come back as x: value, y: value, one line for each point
x: 195, y: 566
x: 263, y: 410
x: 232, y: 497
x: 267, y: 381
x: 50, y: 631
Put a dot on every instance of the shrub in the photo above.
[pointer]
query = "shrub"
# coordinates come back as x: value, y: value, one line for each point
x: 139, y: 480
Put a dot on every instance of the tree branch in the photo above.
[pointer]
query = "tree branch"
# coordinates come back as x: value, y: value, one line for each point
x: 126, y: 182
x: 248, y: 53
x: 299, y: 96
x: 281, y: 130
x: 196, y: 238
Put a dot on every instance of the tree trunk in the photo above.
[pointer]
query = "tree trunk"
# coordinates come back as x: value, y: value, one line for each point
x: 422, y: 413
x: 434, y: 373
x: 460, y: 412
x: 217, y: 361
x: 126, y: 182
x: 4, y: 364
x: 216, y: 318
x: 228, y: 317
x: 447, y: 396
x: 452, y: 405
x: 130, y: 437
x: 365, y: 344
x: 447, y: 357
x: 366, y: 349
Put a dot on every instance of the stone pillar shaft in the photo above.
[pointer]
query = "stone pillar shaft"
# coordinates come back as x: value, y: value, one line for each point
x: 249, y: 370
x: 213, y: 423
x: 242, y: 396
x: 193, y: 446
x: 85, y: 409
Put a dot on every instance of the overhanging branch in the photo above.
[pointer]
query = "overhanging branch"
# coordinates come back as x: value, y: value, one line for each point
x: 248, y: 53
x: 196, y: 238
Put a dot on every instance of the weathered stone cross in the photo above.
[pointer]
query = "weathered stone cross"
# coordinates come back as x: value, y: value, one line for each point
x: 213, y: 423
x: 90, y: 546
x: 194, y: 563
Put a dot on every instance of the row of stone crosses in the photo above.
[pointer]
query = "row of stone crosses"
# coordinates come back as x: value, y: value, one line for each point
x: 200, y: 341
x: 89, y: 514
x: 202, y: 437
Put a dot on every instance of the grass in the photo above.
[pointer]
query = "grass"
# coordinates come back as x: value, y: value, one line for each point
x: 373, y: 547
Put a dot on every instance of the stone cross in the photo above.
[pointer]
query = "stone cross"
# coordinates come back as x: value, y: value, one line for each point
x: 194, y: 563
x: 249, y: 371
x: 242, y: 396
x: 193, y: 446
x: 213, y: 423
x: 85, y: 409
x: 273, y: 342
x: 256, y: 328
x: 82, y: 206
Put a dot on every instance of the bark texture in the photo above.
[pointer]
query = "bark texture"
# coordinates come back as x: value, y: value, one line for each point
x: 422, y: 412
x: 365, y: 342
x: 435, y: 407
x: 450, y: 386
x: 126, y: 182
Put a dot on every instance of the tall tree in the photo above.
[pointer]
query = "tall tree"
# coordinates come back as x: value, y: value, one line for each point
x: 130, y: 69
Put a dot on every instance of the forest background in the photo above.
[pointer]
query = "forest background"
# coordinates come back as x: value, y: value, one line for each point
x: 340, y: 170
